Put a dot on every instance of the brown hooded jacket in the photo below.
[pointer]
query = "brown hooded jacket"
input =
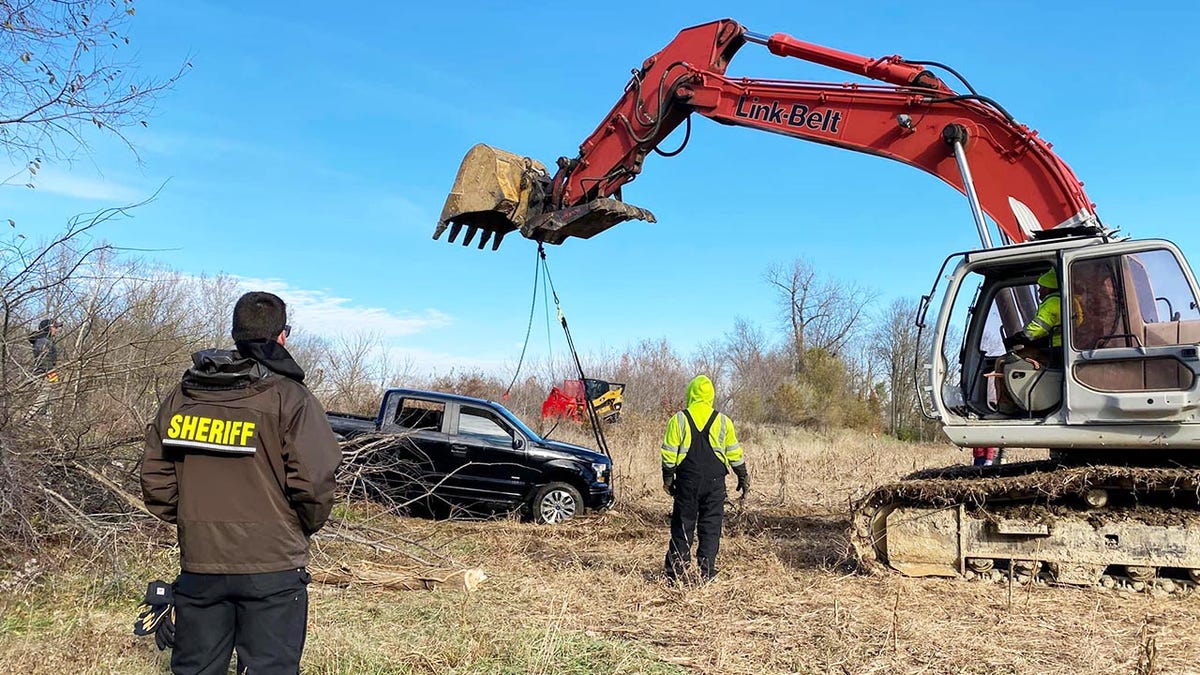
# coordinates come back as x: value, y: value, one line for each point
x: 240, y: 457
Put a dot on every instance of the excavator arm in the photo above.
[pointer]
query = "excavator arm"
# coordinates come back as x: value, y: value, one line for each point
x: 914, y: 118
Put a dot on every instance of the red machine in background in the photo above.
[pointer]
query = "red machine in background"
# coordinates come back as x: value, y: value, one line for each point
x: 570, y: 400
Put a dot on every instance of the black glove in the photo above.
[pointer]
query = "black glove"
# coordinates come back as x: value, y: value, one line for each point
x: 669, y: 480
x: 164, y: 636
x: 743, y: 477
x: 158, y: 617
x: 1016, y: 341
x: 1019, y: 340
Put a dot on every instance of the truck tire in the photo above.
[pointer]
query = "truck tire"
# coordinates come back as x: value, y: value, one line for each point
x: 555, y: 503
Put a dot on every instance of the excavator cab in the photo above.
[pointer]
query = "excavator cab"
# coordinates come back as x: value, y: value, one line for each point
x: 1130, y: 328
x: 1118, y: 406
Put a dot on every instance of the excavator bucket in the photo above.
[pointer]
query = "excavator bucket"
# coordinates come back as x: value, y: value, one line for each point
x: 497, y: 192
x: 494, y: 193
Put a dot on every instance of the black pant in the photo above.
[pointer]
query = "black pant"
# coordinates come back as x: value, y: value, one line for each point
x: 699, y: 510
x: 262, y: 616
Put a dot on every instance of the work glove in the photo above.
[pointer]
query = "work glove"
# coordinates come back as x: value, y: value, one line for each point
x: 669, y: 480
x: 158, y: 617
x: 743, y: 484
x: 1018, y: 340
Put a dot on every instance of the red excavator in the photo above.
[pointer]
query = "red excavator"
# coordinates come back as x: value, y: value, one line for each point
x: 1115, y: 397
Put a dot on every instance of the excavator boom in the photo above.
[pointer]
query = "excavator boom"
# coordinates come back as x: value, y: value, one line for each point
x: 914, y: 118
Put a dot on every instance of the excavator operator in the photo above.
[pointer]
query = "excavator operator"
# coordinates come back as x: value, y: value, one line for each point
x: 1040, y: 340
x: 1045, y: 328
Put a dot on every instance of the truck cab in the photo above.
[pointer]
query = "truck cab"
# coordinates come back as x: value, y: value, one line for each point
x: 470, y: 454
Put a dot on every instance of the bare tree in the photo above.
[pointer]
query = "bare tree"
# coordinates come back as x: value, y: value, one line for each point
x: 896, y: 343
x: 69, y: 437
x: 63, y: 73
x: 351, y: 371
x: 820, y: 312
x: 756, y: 370
x: 656, y: 378
x: 712, y: 359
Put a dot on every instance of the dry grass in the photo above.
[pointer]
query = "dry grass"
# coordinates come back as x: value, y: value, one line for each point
x: 589, y: 598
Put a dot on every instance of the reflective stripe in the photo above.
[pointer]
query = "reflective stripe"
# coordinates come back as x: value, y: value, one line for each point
x: 215, y: 447
x: 672, y: 455
x: 1041, y: 324
x: 721, y: 435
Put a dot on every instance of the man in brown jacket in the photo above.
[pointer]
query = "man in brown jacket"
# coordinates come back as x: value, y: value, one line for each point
x: 241, y: 459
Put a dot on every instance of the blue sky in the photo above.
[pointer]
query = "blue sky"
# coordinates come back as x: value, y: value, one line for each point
x: 311, y: 146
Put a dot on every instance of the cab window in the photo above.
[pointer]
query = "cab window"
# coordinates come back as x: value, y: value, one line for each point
x: 482, y: 423
x: 418, y: 415
x: 1134, y: 300
x: 1163, y: 292
x: 1099, y: 312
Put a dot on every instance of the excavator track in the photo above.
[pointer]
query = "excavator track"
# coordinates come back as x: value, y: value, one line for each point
x: 1117, y: 526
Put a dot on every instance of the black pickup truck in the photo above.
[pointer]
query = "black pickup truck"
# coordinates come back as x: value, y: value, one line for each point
x: 471, y: 452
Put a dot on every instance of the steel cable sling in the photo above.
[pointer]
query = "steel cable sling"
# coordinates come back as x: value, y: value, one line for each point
x: 593, y: 417
x: 537, y: 262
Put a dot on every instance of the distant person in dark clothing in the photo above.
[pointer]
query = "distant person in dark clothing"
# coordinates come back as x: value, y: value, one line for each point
x: 45, y: 363
x: 45, y: 351
x: 241, y: 459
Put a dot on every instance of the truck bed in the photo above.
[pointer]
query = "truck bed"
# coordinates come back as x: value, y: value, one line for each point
x: 348, y: 425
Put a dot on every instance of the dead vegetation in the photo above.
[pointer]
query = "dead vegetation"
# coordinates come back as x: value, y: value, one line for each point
x: 589, y: 597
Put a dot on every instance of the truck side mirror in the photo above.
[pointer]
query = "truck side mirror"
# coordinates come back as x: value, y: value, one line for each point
x: 518, y: 443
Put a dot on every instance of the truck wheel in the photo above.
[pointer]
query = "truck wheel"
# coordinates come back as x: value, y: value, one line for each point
x: 555, y: 503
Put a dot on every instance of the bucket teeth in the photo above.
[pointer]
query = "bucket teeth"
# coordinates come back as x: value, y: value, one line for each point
x: 487, y: 234
x: 470, y: 235
x: 483, y: 238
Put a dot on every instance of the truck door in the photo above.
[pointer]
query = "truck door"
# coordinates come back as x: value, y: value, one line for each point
x: 1132, y: 325
x: 494, y: 465
x: 420, y: 458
